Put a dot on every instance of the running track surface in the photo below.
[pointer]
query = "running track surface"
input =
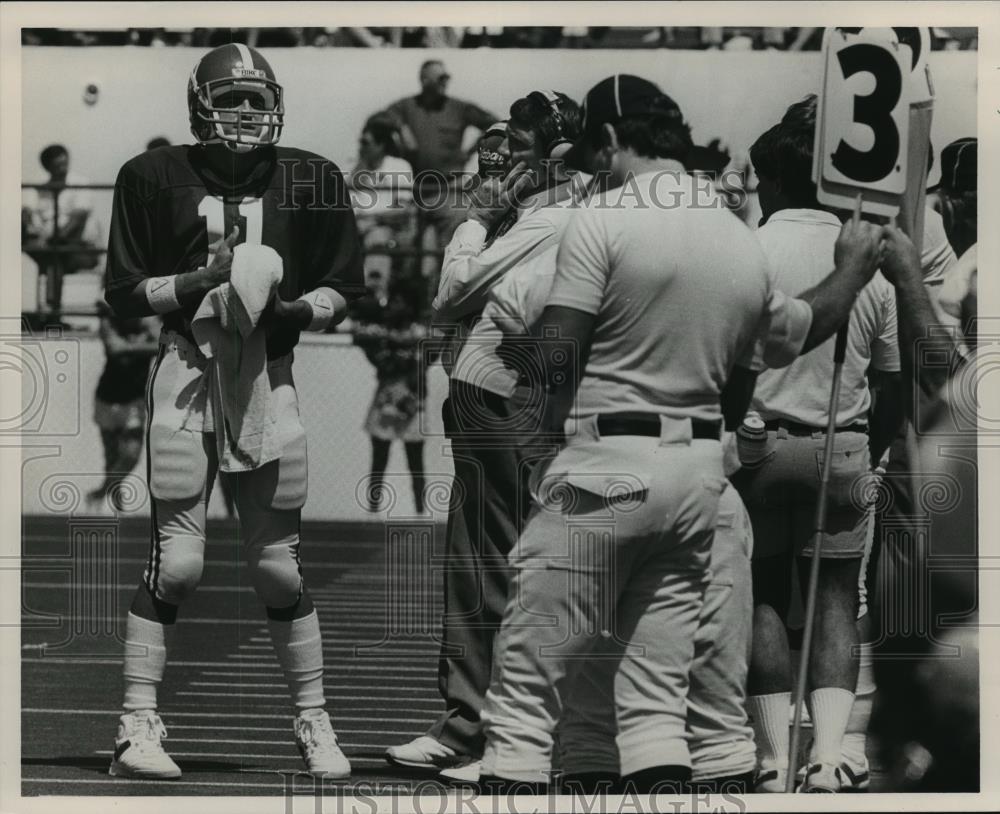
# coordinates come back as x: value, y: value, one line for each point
x: 224, y: 700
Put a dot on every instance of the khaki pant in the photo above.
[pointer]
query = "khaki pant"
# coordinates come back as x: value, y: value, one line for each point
x: 721, y: 740
x: 609, y: 553
x: 780, y: 492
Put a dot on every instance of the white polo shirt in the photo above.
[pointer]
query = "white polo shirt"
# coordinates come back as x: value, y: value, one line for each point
x: 799, y: 245
x: 470, y: 271
x: 681, y: 293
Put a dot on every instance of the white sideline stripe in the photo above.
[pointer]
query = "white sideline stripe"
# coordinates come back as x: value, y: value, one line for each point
x: 343, y: 641
x: 279, y: 685
x: 241, y: 756
x: 377, y: 670
x: 344, y: 596
x: 174, y: 739
x: 287, y: 742
x: 354, y: 760
x: 283, y: 729
x: 248, y: 715
x: 307, y: 564
x: 277, y: 785
x: 284, y: 697
x: 343, y: 620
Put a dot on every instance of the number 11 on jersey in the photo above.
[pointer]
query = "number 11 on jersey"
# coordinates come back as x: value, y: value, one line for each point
x: 213, y: 210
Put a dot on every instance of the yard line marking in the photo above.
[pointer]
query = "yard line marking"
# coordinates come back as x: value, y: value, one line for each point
x: 343, y: 620
x: 375, y: 667
x: 284, y: 696
x: 294, y: 757
x: 283, y: 729
x: 352, y: 746
x: 31, y: 565
x: 431, y: 682
x: 277, y: 785
x: 247, y: 715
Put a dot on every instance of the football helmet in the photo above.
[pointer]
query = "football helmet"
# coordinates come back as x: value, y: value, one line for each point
x: 234, y: 98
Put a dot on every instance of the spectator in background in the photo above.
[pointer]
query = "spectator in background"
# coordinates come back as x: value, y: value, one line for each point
x: 46, y: 238
x: 955, y: 196
x: 382, y: 194
x: 119, y: 403
x: 387, y: 328
x: 431, y: 127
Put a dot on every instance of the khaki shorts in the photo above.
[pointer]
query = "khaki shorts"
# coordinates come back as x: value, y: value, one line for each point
x: 782, y: 489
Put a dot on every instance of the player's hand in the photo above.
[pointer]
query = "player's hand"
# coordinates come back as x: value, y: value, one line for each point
x: 902, y: 260
x: 858, y: 248
x: 221, y: 266
x: 494, y: 198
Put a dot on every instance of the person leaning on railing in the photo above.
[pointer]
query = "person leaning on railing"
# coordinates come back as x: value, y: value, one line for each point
x: 58, y: 227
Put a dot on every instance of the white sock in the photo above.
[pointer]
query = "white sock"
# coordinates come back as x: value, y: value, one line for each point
x: 145, y: 661
x: 855, y: 738
x: 830, y: 708
x: 769, y: 714
x: 299, y: 648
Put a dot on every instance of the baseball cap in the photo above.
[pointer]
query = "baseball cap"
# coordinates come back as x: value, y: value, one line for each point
x: 958, y: 165
x: 615, y: 98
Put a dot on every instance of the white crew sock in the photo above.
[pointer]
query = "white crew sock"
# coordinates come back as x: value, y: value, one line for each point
x: 830, y: 708
x: 299, y: 648
x: 769, y: 714
x: 855, y: 738
x: 145, y: 661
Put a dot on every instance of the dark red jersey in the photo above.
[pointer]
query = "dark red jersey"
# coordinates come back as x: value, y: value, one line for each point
x: 170, y: 205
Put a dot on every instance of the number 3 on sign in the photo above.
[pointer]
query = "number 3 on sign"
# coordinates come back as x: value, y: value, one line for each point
x: 865, y: 114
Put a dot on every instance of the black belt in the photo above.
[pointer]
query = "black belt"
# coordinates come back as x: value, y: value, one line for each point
x: 797, y: 428
x: 649, y: 424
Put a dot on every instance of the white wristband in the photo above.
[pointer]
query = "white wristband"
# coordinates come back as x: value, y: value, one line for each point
x: 161, y: 294
x: 322, y: 309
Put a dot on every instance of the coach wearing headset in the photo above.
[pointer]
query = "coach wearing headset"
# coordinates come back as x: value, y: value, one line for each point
x: 511, y: 221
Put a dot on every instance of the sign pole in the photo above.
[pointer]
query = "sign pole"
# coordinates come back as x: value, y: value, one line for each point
x: 819, y: 527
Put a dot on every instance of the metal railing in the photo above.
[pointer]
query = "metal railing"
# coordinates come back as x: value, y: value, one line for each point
x: 51, y: 255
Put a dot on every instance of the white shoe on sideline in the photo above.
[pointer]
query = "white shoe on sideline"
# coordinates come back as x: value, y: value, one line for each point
x: 138, y: 751
x: 769, y: 780
x: 463, y: 773
x: 318, y: 745
x: 424, y: 752
x: 822, y: 778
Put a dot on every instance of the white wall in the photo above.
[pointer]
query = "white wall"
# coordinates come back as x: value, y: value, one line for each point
x: 330, y: 92
x: 335, y: 384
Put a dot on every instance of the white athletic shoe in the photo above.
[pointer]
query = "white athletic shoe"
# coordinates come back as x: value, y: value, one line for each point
x: 463, y: 773
x: 138, y: 752
x: 854, y: 776
x: 317, y: 744
x: 424, y: 752
x: 769, y: 780
x: 821, y: 778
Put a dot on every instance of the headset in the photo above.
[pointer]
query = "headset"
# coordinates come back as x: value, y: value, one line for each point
x: 558, y: 145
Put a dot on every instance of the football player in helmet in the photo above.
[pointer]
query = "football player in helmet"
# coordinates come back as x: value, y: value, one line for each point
x: 185, y: 220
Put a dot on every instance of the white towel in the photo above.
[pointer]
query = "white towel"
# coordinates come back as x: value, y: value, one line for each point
x: 225, y: 328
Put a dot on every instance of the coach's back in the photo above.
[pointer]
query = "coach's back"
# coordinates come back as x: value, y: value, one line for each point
x: 678, y: 285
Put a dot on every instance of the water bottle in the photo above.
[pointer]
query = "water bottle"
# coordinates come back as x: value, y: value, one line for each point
x: 751, y: 439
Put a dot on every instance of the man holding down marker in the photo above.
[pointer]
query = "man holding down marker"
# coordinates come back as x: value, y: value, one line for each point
x: 662, y: 297
x: 780, y: 478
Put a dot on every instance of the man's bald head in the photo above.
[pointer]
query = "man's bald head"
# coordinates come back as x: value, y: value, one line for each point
x: 434, y: 78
